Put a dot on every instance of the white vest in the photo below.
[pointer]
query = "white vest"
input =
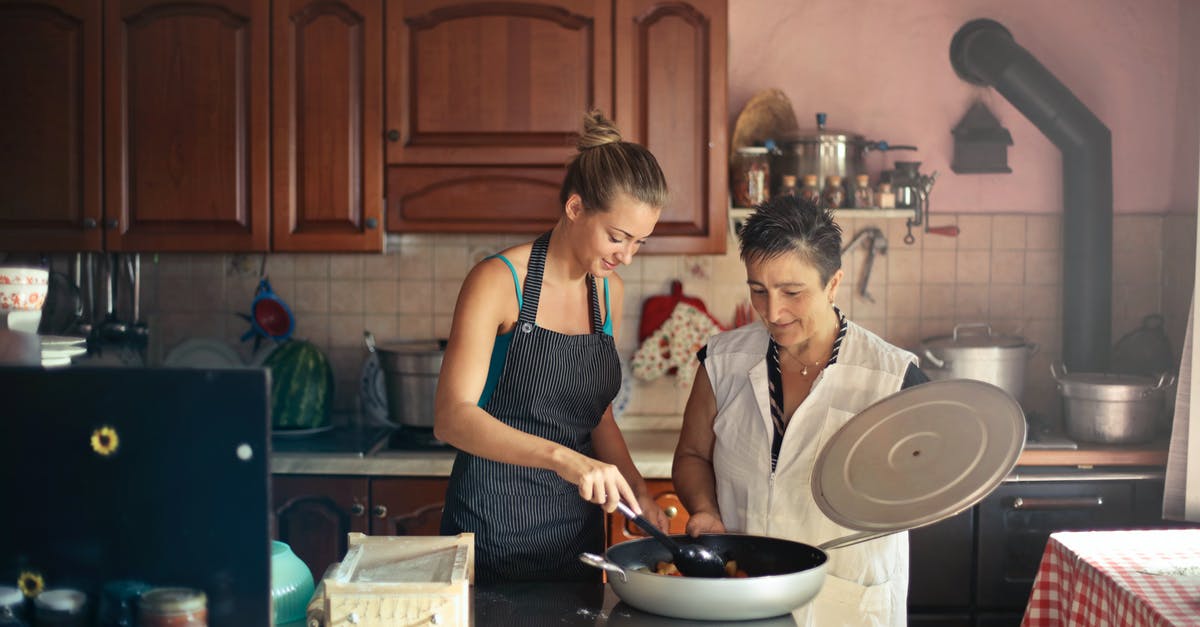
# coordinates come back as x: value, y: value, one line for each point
x: 865, y: 584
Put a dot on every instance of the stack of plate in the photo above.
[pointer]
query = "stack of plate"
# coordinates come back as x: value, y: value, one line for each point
x: 57, y: 350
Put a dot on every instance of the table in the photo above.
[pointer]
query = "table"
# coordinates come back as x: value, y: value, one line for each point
x: 1129, y: 578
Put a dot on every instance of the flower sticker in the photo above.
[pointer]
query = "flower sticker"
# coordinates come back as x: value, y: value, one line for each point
x: 31, y: 583
x: 105, y: 441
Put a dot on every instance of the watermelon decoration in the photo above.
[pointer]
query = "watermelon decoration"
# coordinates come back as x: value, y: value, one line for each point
x: 301, y: 386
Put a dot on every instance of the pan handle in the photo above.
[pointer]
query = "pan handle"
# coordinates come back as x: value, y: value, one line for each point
x: 591, y: 559
x: 852, y: 539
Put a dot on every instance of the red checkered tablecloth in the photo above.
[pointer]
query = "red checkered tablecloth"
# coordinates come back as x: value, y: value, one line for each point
x: 1138, y: 578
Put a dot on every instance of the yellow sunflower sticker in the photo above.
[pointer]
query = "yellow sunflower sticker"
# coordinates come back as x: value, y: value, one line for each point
x: 105, y: 440
x: 31, y: 583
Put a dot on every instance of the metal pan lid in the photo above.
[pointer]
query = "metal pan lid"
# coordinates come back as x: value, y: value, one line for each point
x: 974, y: 335
x: 918, y: 456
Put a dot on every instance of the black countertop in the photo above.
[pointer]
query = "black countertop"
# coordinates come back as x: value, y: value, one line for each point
x: 565, y: 604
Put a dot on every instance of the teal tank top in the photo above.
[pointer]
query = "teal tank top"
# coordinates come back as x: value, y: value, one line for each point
x: 500, y: 349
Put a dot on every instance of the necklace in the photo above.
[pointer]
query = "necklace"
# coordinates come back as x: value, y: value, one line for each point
x: 804, y: 366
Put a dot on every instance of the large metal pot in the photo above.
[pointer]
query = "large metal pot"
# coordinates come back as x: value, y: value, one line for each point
x: 968, y: 353
x: 410, y: 376
x: 825, y: 152
x: 784, y: 575
x: 1111, y: 408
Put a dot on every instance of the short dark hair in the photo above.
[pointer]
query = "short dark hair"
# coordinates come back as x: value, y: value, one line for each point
x: 792, y: 224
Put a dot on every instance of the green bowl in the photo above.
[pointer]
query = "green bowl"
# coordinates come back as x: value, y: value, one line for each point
x: 291, y: 584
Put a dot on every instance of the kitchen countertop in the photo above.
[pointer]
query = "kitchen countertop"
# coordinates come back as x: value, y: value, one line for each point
x: 652, y: 451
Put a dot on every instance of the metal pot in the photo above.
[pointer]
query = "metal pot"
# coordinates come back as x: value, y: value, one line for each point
x: 825, y: 152
x: 410, y: 376
x: 784, y: 575
x: 1111, y: 408
x: 996, y: 359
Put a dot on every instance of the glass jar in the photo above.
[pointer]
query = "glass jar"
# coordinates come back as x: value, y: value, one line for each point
x: 118, y: 603
x: 61, y: 607
x: 751, y: 176
x: 789, y: 186
x: 809, y: 191
x: 886, y: 197
x: 173, y: 607
x: 862, y: 196
x: 12, y: 607
x: 833, y: 196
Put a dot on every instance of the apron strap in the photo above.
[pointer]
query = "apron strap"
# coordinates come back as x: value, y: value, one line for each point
x: 533, y: 283
x: 775, y: 385
x: 594, y: 305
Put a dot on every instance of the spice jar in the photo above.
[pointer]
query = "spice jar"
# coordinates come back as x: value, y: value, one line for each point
x: 12, y: 607
x: 809, y: 191
x: 862, y: 197
x: 886, y: 198
x: 61, y: 607
x: 173, y: 607
x: 751, y: 176
x: 833, y: 196
x: 118, y: 602
x: 789, y: 186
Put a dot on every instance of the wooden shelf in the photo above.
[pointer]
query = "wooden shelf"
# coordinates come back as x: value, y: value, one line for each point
x: 1088, y: 455
x: 738, y: 214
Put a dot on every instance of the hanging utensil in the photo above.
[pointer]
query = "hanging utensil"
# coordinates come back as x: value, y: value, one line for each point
x: 693, y: 560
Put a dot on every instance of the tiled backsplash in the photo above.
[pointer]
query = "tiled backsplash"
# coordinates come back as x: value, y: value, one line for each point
x: 1003, y: 269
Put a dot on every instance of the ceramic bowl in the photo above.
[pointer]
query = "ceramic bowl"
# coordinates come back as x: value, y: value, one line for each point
x: 21, y: 275
x: 23, y: 297
x: 291, y: 584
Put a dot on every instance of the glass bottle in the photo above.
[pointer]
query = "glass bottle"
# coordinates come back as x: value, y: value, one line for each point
x: 809, y: 191
x: 886, y: 197
x: 12, y: 607
x: 173, y: 607
x: 833, y: 196
x: 862, y: 197
x: 751, y: 172
x: 789, y: 186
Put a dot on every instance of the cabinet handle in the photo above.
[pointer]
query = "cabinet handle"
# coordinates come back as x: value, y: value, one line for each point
x: 380, y: 511
x: 113, y: 223
x: 1071, y: 502
x: 370, y: 223
x: 358, y: 509
x: 393, y: 135
x: 89, y: 223
x: 671, y: 511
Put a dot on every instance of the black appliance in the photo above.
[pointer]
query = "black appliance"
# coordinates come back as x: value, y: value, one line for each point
x: 153, y: 475
x: 414, y: 439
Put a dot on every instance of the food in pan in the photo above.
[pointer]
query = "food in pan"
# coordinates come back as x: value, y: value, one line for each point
x: 669, y: 569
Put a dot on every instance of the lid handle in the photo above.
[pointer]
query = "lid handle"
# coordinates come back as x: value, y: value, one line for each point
x: 972, y: 325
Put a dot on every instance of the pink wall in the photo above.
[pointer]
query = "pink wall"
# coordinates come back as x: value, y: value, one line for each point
x: 881, y: 68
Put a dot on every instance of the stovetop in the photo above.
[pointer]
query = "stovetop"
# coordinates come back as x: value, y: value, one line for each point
x: 412, y: 439
x: 360, y: 440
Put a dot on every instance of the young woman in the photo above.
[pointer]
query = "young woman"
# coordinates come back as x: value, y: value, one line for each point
x: 531, y: 368
x: 769, y: 394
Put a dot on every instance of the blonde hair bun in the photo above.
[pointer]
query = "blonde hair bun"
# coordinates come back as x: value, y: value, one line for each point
x: 597, y: 131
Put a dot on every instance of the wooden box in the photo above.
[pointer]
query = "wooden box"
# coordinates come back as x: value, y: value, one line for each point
x: 401, y: 581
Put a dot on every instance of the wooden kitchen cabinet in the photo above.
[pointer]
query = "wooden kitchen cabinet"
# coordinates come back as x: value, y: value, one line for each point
x: 187, y: 131
x: 313, y: 514
x: 621, y: 529
x: 50, y: 67
x: 327, y: 84
x: 402, y: 506
x: 484, y: 100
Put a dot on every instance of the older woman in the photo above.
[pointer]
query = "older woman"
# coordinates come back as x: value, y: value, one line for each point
x: 769, y: 394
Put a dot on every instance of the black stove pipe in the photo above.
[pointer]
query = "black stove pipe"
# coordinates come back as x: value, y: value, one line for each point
x: 983, y: 52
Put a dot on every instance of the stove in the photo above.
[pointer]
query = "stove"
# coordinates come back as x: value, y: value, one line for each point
x: 356, y: 439
x: 412, y: 439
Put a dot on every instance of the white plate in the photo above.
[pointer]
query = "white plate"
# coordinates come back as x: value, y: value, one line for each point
x: 291, y: 433
x: 59, y: 352
x: 920, y: 455
x: 61, y: 340
x: 203, y: 353
x: 55, y: 362
x: 373, y: 392
x: 264, y: 351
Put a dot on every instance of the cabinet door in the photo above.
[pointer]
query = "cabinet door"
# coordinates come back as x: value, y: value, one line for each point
x: 407, y: 507
x: 186, y: 125
x: 670, y: 91
x: 313, y: 514
x: 621, y: 529
x: 327, y: 78
x: 50, y: 161
x: 1016, y: 520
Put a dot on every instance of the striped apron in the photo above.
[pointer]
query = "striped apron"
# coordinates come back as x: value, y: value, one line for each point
x: 530, y: 524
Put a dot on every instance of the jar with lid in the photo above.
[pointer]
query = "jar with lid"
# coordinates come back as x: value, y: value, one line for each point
x: 789, y: 186
x: 810, y: 191
x: 61, y: 607
x: 886, y: 198
x: 12, y: 607
x: 173, y: 607
x: 751, y: 176
x: 862, y: 197
x: 833, y: 196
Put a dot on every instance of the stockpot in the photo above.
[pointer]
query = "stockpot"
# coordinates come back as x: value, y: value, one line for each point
x: 1111, y: 408
x: 973, y: 351
x: 825, y: 152
x: 410, y: 375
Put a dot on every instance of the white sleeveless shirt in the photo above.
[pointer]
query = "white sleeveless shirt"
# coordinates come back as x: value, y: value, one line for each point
x: 865, y: 584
